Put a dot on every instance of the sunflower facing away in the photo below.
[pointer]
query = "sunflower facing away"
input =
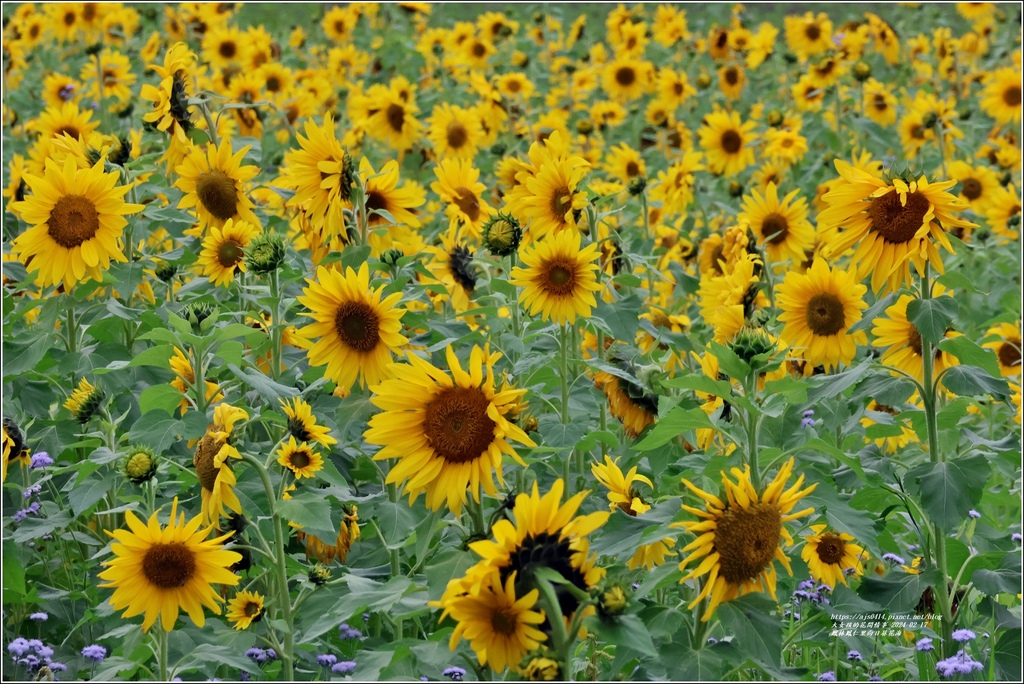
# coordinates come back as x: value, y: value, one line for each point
x: 77, y: 219
x: 1007, y: 347
x: 738, y: 539
x: 160, y: 570
x: 629, y: 402
x: 214, y: 183
x: 448, y: 432
x: 830, y: 554
x: 818, y: 308
x: 892, y: 225
x: 245, y: 609
x: 358, y: 328
x: 212, y: 469
x: 348, y: 532
x: 559, y: 279
x: 186, y: 377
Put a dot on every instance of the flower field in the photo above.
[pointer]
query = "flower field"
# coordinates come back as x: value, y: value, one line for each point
x: 526, y: 342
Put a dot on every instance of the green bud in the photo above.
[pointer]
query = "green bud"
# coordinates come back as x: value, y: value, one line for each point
x: 140, y: 464
x: 636, y: 185
x: 735, y: 189
x: 319, y: 574
x: 751, y: 343
x: 502, y: 234
x: 862, y: 71
x: 265, y: 254
x: 613, y: 601
x: 391, y: 257
x: 200, y: 315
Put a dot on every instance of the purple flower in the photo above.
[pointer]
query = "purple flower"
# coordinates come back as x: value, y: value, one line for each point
x: 20, y: 515
x: 257, y: 655
x: 346, y: 632
x: 454, y: 673
x: 344, y: 667
x: 326, y: 659
x: 57, y: 667
x: 39, y: 617
x: 893, y: 558
x: 712, y: 641
x: 18, y: 647
x: 244, y: 676
x: 44, y: 652
x: 925, y: 644
x: 67, y: 92
x: 41, y: 460
x: 961, y: 663
x: 271, y: 654
x: 875, y: 678
x: 30, y: 661
x: 32, y: 491
x: 1017, y: 537
x: 96, y: 653
x: 854, y: 655
x: 963, y: 635
x: 807, y: 423
x: 35, y: 644
x: 974, y: 514
x: 828, y: 676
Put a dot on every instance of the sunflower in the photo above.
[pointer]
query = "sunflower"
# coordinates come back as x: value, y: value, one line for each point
x: 629, y: 402
x: 211, y: 463
x: 384, y: 194
x: 348, y: 532
x: 559, y: 279
x: 891, y: 443
x: 245, y: 609
x: 818, y: 308
x: 786, y: 146
x: 300, y: 458
x: 454, y: 131
x: 214, y: 182
x: 447, y: 432
x: 893, y: 224
x: 320, y: 173
x: 224, y: 250
x: 830, y: 555
x: 549, y: 195
x: 77, y: 222
x: 546, y: 534
x: 902, y: 342
x: 161, y: 570
x: 731, y: 80
x: 117, y: 74
x: 1004, y: 214
x: 809, y: 35
x: 394, y: 121
x: 727, y: 142
x: 625, y: 163
x: 67, y: 118
x: 978, y: 184
x: 621, y: 492
x: 358, y: 328
x: 1001, y: 98
x: 675, y: 184
x: 879, y: 103
x: 500, y: 627
x: 738, y: 539
x: 782, y: 226
x: 15, y: 449
x: 1007, y: 347
x: 59, y: 89
x: 459, y: 187
x: 182, y: 368
x: 626, y: 79
x: 302, y: 423
x: 84, y: 401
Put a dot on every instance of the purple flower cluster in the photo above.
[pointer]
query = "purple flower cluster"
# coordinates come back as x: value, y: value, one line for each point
x: 974, y: 514
x: 39, y: 617
x: 32, y: 653
x: 808, y: 420
x: 1017, y: 537
x: 95, y: 653
x: 828, y: 676
x: 893, y: 558
x: 925, y: 644
x: 812, y: 592
x: 454, y: 673
x: 347, y: 632
x: 963, y: 635
x: 854, y: 655
x: 326, y: 659
x: 33, y: 509
x: 261, y: 656
x: 961, y: 663
x: 343, y: 667
x: 31, y: 491
x: 40, y: 460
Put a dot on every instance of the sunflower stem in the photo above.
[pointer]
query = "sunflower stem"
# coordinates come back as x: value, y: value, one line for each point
x: 161, y: 645
x: 476, y: 511
x: 72, y: 332
x: 199, y: 375
x: 700, y: 627
x: 211, y: 127
x: 276, y: 329
x: 513, y: 305
x: 559, y: 635
x: 751, y: 394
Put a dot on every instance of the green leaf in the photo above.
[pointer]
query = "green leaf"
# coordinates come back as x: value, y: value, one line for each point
x: 163, y: 397
x: 312, y: 511
x: 14, y: 570
x: 950, y: 489
x: 793, y: 389
x: 886, y: 389
x: 1005, y: 579
x: 268, y: 389
x: 932, y: 317
x: 895, y: 593
x: 874, y: 310
x: 156, y: 429
x: 629, y: 632
x: 1008, y: 655
x: 973, y: 381
x: 821, y: 446
x: 828, y: 386
x: 618, y: 318
x: 730, y: 364
x: 159, y: 356
x: 972, y: 354
x: 20, y: 357
x: 674, y: 423
x: 756, y: 628
x: 955, y: 280
x: 83, y: 495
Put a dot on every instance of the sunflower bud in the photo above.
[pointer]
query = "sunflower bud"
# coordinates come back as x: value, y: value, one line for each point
x: 613, y: 601
x: 265, y: 253
x: 775, y: 118
x: 703, y: 81
x: 735, y: 189
x: 166, y: 271
x: 585, y: 126
x: 861, y: 71
x: 751, y: 343
x: 319, y: 574
x: 94, y: 49
x: 931, y: 120
x: 348, y: 177
x: 529, y: 423
x: 502, y: 234
x: 636, y: 185
x: 391, y: 257
x: 201, y: 315
x: 243, y: 564
x: 84, y: 401
x: 542, y: 669
x: 140, y: 465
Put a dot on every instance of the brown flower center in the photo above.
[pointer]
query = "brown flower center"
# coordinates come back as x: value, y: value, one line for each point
x: 300, y: 459
x: 230, y: 253
x: 561, y: 202
x: 825, y: 315
x: 252, y: 609
x: 831, y: 548
x: 731, y: 141
x: 203, y: 460
x: 217, y: 192
x: 775, y: 228
x: 677, y: 88
x: 813, y: 32
x: 746, y: 540
x: 457, y: 135
x: 273, y: 84
x: 479, y: 50
x: 73, y: 220
x: 1009, y: 353
x: 69, y: 130
x: 625, y: 76
x: 732, y: 76
x: 632, y: 169
x: 467, y: 201
x: 560, y: 277
x: 169, y: 566
x: 396, y: 117
x: 358, y: 326
x: 457, y: 425
x: 914, y: 340
x: 228, y: 49
x: 879, y: 103
x: 971, y: 188
x: 503, y: 622
x: 1011, y: 96
x: 895, y: 222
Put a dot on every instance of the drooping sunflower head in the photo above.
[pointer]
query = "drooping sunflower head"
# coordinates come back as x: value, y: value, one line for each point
x: 621, y: 491
x: 244, y: 609
x: 633, y: 404
x: 831, y: 556
x: 15, y: 449
x: 211, y: 463
x: 326, y: 552
x: 739, y: 538
x: 560, y: 278
x: 302, y: 423
x: 300, y: 458
x: 84, y: 401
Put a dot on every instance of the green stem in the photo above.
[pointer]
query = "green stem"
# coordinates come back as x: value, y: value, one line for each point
x: 476, y: 511
x: 755, y: 470
x: 199, y: 373
x: 393, y: 557
x: 276, y: 328
x: 563, y: 372
x: 700, y: 627
x: 162, y: 654
x: 72, y: 332
x: 514, y: 303
x: 560, y: 638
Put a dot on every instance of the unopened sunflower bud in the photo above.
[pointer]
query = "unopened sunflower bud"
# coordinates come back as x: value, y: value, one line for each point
x: 703, y: 81
x: 775, y: 118
x: 166, y: 271
x: 637, y: 185
x: 613, y: 601
x: 140, y: 465
x: 84, y: 401
x: 265, y: 253
x: 585, y: 126
x: 542, y: 669
x: 931, y: 120
x: 498, y: 149
x: 861, y: 71
x: 751, y: 343
x: 502, y: 234
x: 735, y: 189
x: 391, y: 257
x: 200, y: 315
x: 319, y: 574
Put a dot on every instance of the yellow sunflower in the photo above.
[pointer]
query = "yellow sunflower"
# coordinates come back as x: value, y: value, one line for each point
x: 84, y: 401
x: 892, y: 224
x: 302, y: 423
x: 879, y: 103
x: 245, y: 609
x: 830, y: 555
x: 500, y: 627
x: 455, y: 132
x: 67, y: 118
x: 978, y: 184
x: 447, y: 432
x: 630, y: 403
x: 727, y: 142
x: 300, y: 458
x: 731, y: 80
x: 549, y: 196
x: 1004, y: 214
x: 15, y: 450
x: 559, y: 279
x: 818, y: 308
x: 348, y: 532
x: 384, y: 194
x: 809, y: 35
x: 320, y: 173
x: 215, y: 184
x: 892, y: 443
x: 161, y: 570
x: 738, y: 539
x: 224, y: 250
x: 395, y: 122
x: 624, y: 163
x: 211, y: 463
x: 782, y: 226
x: 1007, y: 347
x: 358, y: 328
x: 902, y: 342
x: 459, y: 187
x: 1001, y: 98
x: 186, y: 378
x: 77, y: 220
x: 626, y: 79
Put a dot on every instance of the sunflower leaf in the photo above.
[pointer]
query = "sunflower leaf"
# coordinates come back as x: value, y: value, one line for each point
x: 972, y: 381
x: 950, y: 489
x: 756, y: 628
x: 932, y: 317
x: 969, y: 352
x: 677, y: 421
x: 312, y: 512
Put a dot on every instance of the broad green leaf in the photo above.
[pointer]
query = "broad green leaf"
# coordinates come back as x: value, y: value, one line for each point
x: 730, y: 364
x: 969, y: 352
x: 971, y: 381
x: 1004, y: 579
x: 618, y: 318
x: 674, y: 423
x: 1008, y: 655
x: 932, y: 317
x: 628, y: 631
x: 162, y: 397
x: 896, y: 593
x: 82, y: 496
x: 950, y: 489
x: 754, y: 622
x: 14, y: 571
x: 159, y: 356
x: 312, y: 512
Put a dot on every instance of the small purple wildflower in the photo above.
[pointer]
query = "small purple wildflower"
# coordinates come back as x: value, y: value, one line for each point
x: 95, y: 653
x: 828, y: 676
x: 67, y: 92
x: 271, y: 654
x: 57, y: 667
x: 875, y: 678
x: 807, y: 423
x: 963, y: 635
x: 18, y: 647
x: 244, y: 676
x: 925, y: 644
x: 974, y: 514
x: 39, y: 617
x: 893, y: 558
x: 347, y: 632
x: 41, y: 460
x: 45, y: 652
x: 30, y: 661
x: 35, y: 644
x: 344, y: 667
x: 712, y: 641
x: 32, y: 491
x: 1017, y: 537
x: 257, y: 655
x: 961, y: 663
x: 454, y: 673
x: 326, y: 659
x: 854, y: 655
